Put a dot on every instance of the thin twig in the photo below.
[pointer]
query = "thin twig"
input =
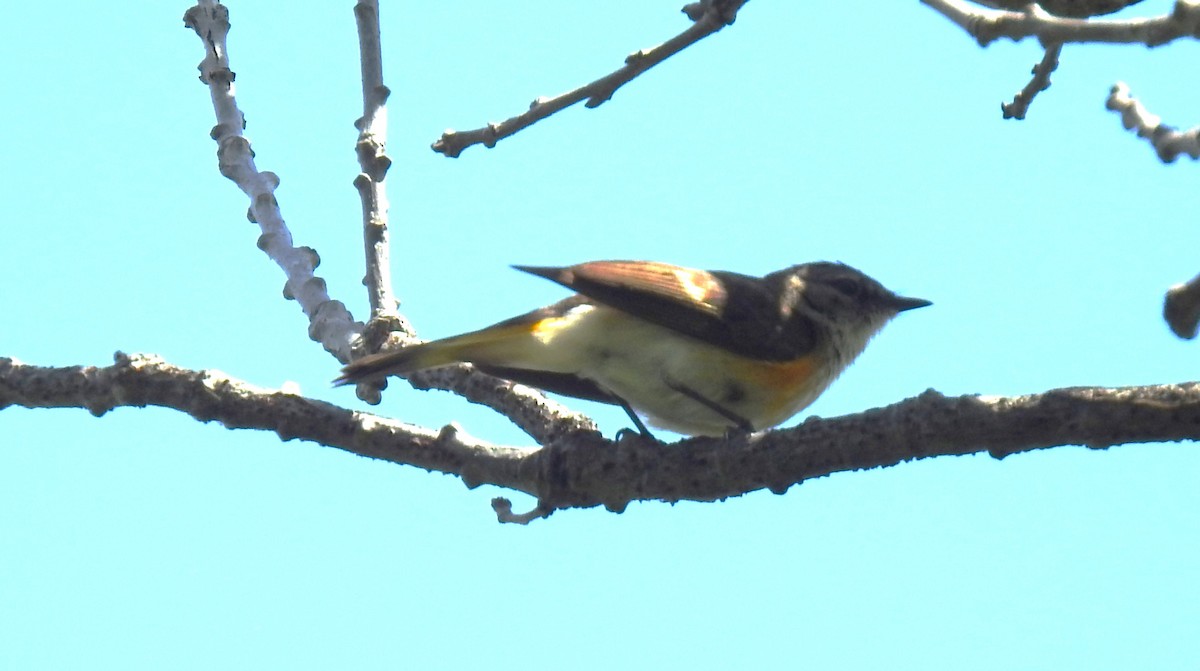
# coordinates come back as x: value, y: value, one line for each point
x: 709, y: 16
x: 1040, y: 82
x: 374, y: 162
x: 330, y: 323
x: 1168, y: 143
x: 584, y: 470
x: 988, y: 25
x: 387, y: 327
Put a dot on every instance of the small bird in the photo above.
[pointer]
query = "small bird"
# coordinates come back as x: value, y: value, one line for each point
x: 693, y: 351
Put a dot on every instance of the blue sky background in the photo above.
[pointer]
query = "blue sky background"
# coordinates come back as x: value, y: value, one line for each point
x: 806, y: 131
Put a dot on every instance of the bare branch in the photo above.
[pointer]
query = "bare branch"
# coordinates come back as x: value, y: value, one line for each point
x: 582, y: 469
x: 1168, y: 143
x: 1181, y: 308
x: 330, y: 323
x: 1040, y: 82
x: 709, y: 16
x: 988, y: 25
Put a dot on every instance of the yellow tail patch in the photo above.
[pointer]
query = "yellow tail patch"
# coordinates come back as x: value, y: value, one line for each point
x: 504, y: 346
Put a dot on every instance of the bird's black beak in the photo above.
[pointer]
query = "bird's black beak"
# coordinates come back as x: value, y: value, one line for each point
x: 901, y: 303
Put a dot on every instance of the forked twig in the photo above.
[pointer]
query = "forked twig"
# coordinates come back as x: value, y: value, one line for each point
x: 330, y: 322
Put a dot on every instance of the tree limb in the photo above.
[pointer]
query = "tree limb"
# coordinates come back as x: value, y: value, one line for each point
x: 709, y: 16
x: 582, y: 469
x: 140, y: 380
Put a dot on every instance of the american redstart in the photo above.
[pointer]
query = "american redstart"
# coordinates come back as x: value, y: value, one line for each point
x: 697, y: 352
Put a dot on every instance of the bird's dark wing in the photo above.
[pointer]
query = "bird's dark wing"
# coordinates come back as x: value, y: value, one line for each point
x: 733, y: 311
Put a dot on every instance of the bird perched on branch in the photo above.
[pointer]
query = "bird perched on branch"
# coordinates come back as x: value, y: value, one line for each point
x: 693, y: 351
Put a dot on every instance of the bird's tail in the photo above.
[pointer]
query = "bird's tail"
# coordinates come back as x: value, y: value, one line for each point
x: 488, y: 346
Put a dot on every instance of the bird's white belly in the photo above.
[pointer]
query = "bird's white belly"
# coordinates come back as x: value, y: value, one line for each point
x: 646, y: 364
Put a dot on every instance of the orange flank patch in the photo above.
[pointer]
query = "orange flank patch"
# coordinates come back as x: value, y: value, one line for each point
x: 786, y: 380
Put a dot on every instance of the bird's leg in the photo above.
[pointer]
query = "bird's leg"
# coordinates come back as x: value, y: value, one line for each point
x: 637, y: 421
x: 739, y: 422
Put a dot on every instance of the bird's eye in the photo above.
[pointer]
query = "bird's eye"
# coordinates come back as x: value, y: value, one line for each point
x: 848, y: 287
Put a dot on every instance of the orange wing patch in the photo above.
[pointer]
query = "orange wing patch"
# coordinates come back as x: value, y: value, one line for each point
x: 697, y: 289
x: 699, y: 286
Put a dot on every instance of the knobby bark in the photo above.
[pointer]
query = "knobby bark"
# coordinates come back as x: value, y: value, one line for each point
x: 579, y: 467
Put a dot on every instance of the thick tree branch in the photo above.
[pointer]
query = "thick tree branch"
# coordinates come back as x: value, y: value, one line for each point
x: 1168, y: 143
x: 582, y: 469
x: 1040, y: 82
x: 330, y: 323
x: 988, y: 25
x: 144, y: 380
x: 709, y: 16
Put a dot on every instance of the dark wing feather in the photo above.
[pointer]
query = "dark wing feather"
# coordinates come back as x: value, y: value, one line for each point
x: 558, y: 383
x: 733, y: 311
